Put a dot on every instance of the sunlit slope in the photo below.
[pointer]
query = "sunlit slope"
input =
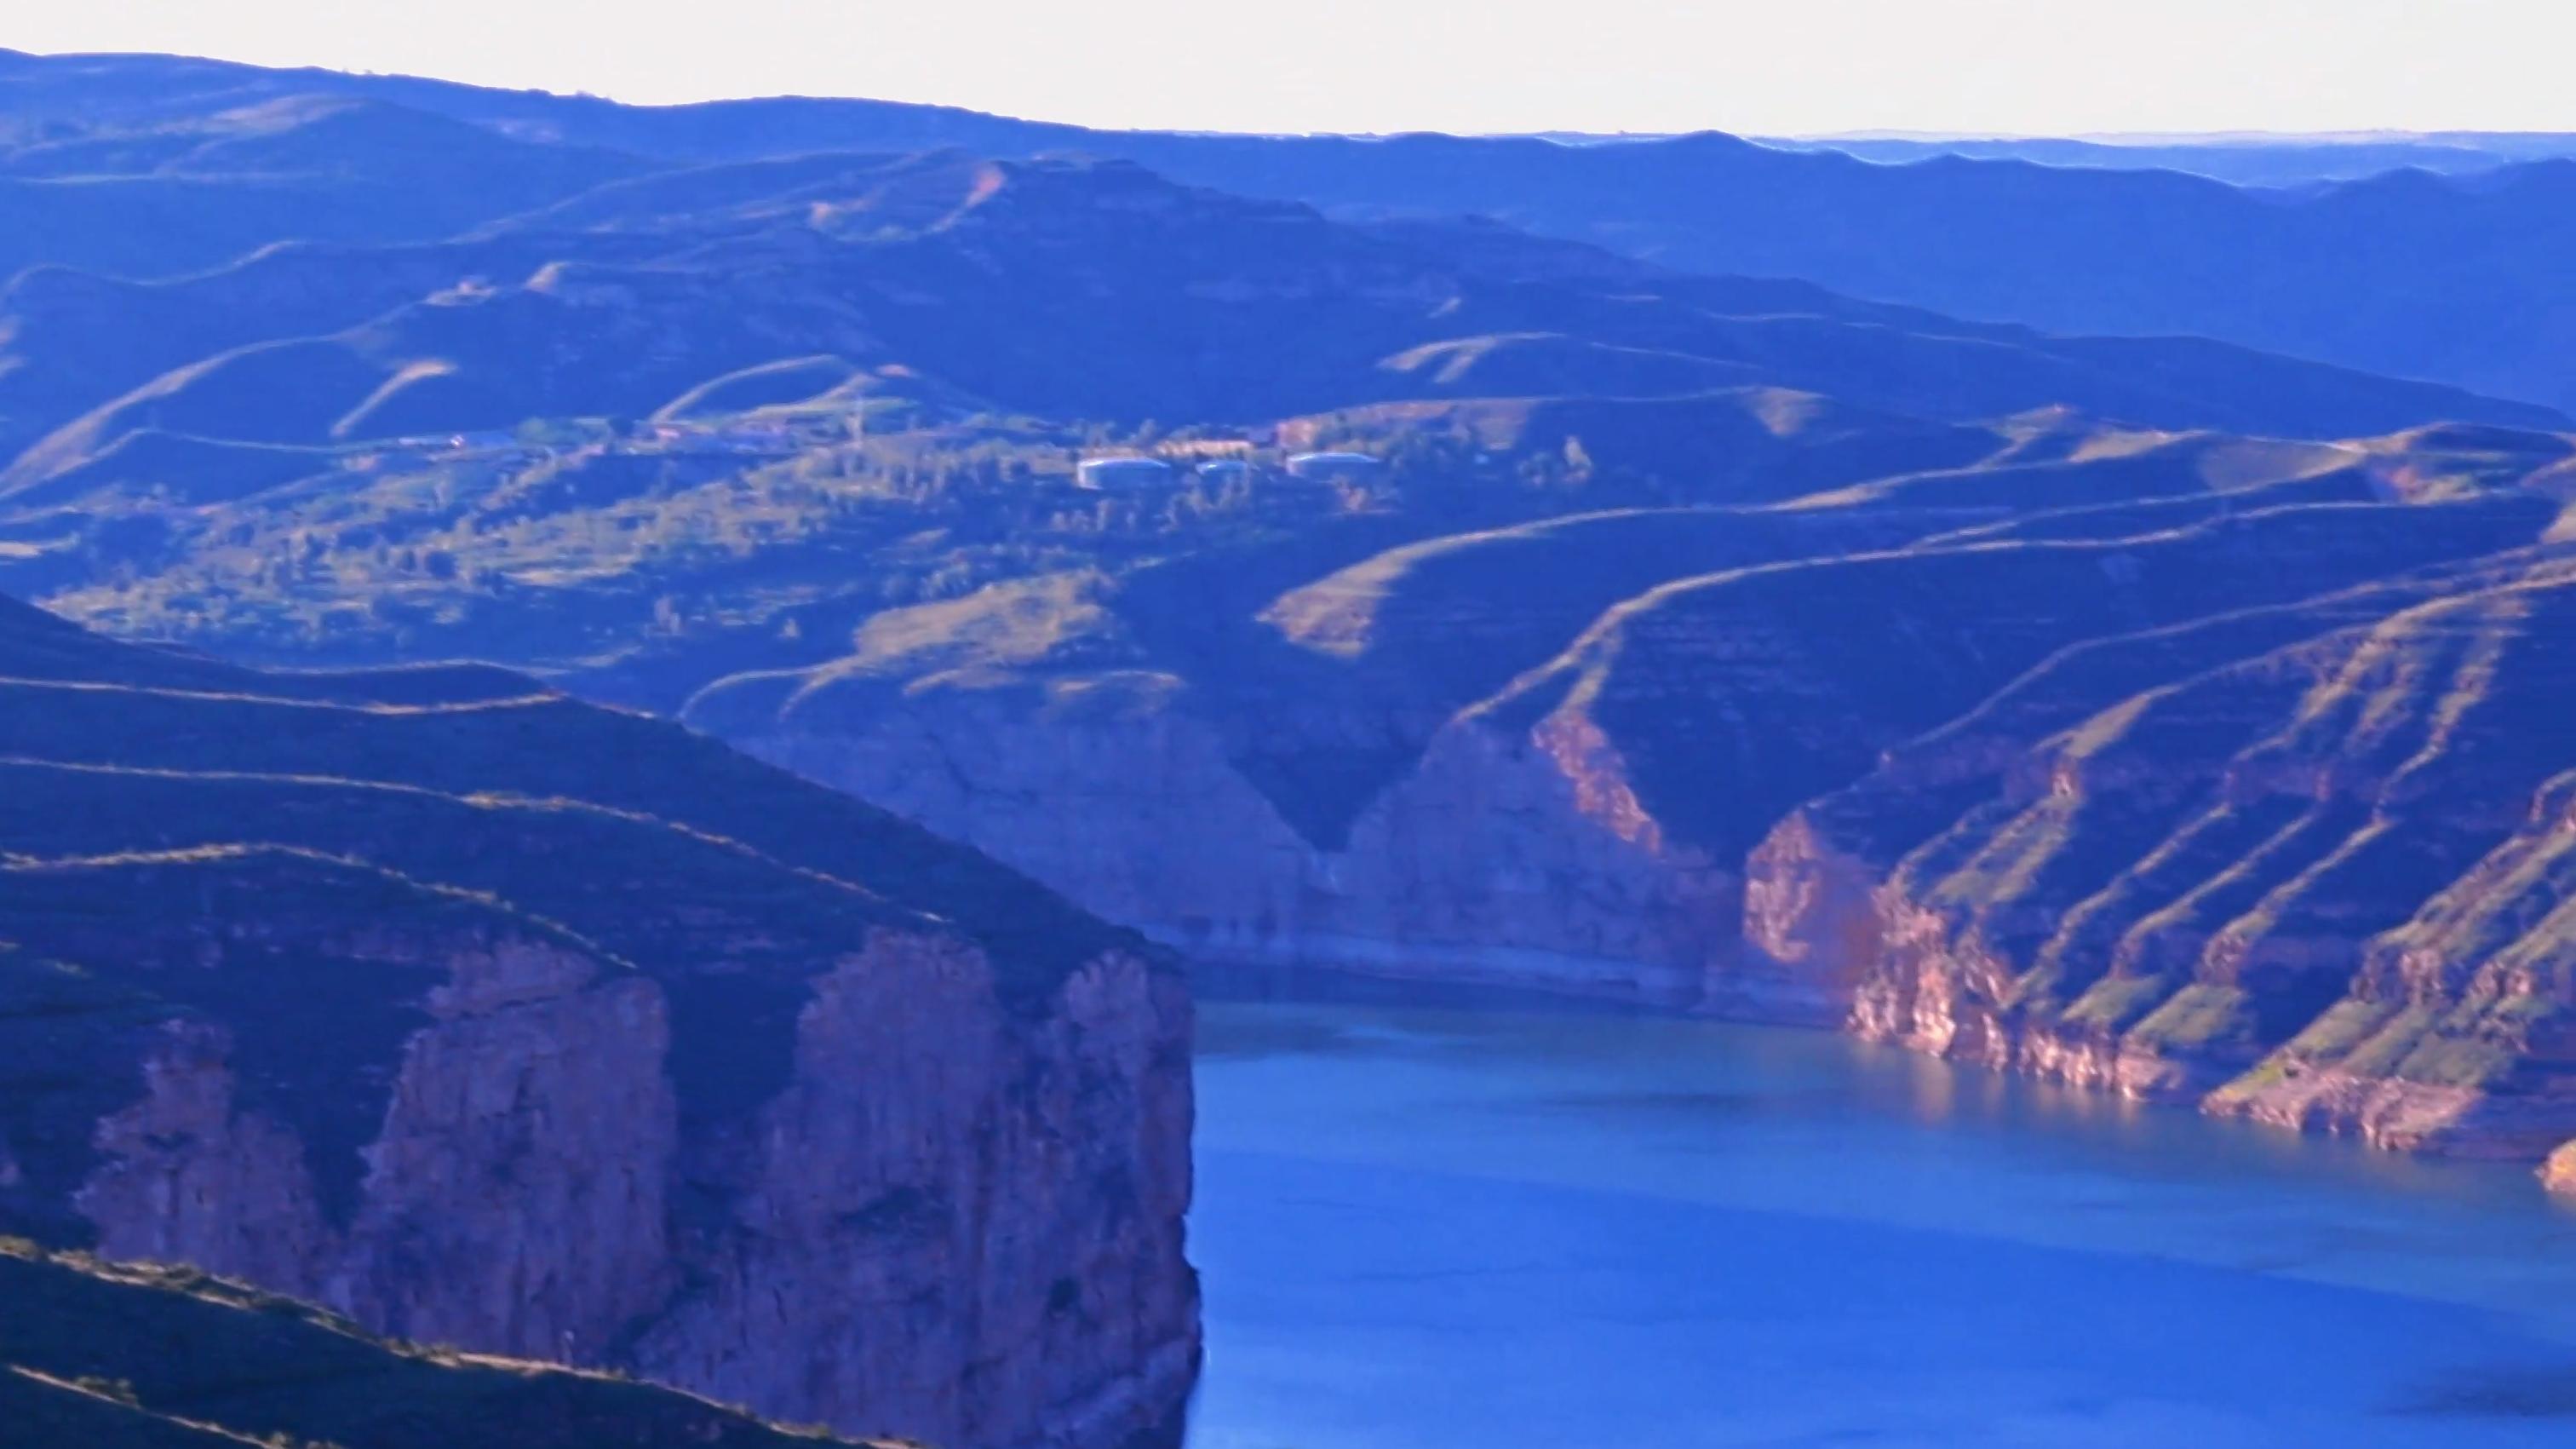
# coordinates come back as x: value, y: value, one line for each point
x: 1328, y: 687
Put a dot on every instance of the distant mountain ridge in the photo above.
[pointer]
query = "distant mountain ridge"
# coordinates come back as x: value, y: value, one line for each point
x: 1063, y: 288
x: 2285, y: 161
x: 2455, y: 279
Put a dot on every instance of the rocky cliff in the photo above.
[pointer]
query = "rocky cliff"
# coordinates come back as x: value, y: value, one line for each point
x: 494, y: 1020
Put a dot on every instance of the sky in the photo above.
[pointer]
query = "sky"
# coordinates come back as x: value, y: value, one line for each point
x: 1777, y: 67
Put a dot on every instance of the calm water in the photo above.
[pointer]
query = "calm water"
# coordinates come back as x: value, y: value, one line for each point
x: 1455, y: 1230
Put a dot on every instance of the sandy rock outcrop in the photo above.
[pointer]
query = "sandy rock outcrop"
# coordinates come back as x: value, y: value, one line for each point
x: 2559, y: 1173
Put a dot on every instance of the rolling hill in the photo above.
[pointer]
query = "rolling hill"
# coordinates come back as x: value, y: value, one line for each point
x: 2452, y: 278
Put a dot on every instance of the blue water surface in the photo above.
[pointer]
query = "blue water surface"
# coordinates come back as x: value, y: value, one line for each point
x: 1448, y: 1230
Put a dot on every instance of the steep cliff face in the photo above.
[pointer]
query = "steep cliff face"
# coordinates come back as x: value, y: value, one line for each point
x: 680, y: 1067
x: 512, y: 1199
x: 949, y: 1225
x: 965, y: 1233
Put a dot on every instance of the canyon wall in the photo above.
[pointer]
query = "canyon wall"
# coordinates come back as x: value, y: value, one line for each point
x: 2154, y: 814
x: 494, y: 1020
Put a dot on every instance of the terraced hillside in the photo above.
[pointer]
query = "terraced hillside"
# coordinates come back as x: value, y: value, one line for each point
x: 2308, y: 873
x: 489, y: 1018
x: 123, y: 1357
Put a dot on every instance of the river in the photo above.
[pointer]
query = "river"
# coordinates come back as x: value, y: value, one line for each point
x: 1449, y: 1229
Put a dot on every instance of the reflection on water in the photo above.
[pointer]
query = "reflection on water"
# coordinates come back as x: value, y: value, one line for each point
x: 1440, y: 1228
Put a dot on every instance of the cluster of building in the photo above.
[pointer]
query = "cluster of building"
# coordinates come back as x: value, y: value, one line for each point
x: 1116, y: 474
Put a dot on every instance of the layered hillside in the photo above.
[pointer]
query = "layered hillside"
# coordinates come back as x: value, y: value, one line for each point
x: 2293, y: 863
x: 2194, y: 768
x: 491, y: 1019
x: 107, y: 1356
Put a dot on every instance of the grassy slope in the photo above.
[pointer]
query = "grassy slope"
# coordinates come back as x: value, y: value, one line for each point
x: 108, y: 1356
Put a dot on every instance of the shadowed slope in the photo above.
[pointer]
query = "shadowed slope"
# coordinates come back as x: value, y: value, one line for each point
x: 109, y: 1356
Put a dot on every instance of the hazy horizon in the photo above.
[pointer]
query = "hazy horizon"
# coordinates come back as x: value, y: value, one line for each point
x: 1963, y: 68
